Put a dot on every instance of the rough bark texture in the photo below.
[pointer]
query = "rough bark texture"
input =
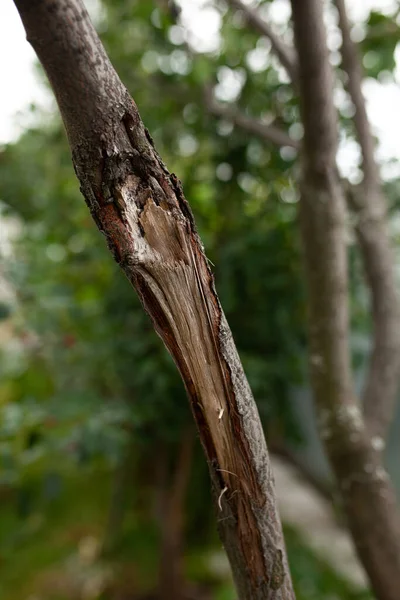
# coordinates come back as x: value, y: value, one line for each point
x: 367, y: 495
x: 140, y: 208
x: 368, y: 202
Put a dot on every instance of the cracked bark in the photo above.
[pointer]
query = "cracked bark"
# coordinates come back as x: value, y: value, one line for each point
x: 140, y: 208
x: 368, y: 498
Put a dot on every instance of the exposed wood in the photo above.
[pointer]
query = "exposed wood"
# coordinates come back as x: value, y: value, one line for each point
x: 140, y: 208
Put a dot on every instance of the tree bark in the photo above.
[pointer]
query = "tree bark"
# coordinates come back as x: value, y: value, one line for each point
x: 140, y: 208
x: 369, y: 204
x: 368, y: 498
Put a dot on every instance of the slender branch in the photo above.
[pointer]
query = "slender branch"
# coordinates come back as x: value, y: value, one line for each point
x: 352, y: 66
x: 368, y: 202
x: 368, y: 497
x: 268, y: 133
x: 285, y: 54
x: 149, y: 227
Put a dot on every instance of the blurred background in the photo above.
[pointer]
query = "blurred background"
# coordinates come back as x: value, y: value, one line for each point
x: 104, y: 491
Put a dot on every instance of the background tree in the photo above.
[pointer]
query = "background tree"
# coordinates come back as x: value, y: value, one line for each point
x: 269, y: 222
x: 352, y: 452
x: 149, y: 227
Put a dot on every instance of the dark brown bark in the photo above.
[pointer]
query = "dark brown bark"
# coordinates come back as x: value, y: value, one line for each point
x: 140, y: 208
x: 367, y: 495
x: 368, y: 202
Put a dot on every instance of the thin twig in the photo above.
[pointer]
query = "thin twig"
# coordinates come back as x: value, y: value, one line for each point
x: 268, y: 133
x: 285, y: 54
x: 369, y: 203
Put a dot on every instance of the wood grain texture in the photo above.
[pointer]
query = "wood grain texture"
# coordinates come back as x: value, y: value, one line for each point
x: 140, y: 208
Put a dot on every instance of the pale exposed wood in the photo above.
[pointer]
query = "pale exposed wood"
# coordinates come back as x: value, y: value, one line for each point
x: 148, y: 225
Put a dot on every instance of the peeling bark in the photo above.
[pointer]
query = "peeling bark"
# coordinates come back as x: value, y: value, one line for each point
x: 140, y: 208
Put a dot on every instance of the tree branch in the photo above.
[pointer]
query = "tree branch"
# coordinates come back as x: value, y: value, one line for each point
x: 383, y: 375
x: 149, y: 227
x: 368, y: 497
x: 352, y: 66
x: 268, y: 133
x: 285, y: 54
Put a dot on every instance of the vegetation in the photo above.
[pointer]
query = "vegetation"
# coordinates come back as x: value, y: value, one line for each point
x: 97, y: 441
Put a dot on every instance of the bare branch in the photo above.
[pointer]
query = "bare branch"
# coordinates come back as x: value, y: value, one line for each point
x: 368, y: 202
x: 268, y: 133
x: 285, y: 54
x: 352, y: 66
x: 368, y: 497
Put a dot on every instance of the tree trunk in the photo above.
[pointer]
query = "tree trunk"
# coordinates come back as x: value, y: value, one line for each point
x: 140, y: 208
x: 368, y: 497
x: 369, y: 204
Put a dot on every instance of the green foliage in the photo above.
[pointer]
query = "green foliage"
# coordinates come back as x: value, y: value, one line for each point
x: 379, y: 44
x: 50, y: 543
x: 84, y: 373
x: 93, y: 341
